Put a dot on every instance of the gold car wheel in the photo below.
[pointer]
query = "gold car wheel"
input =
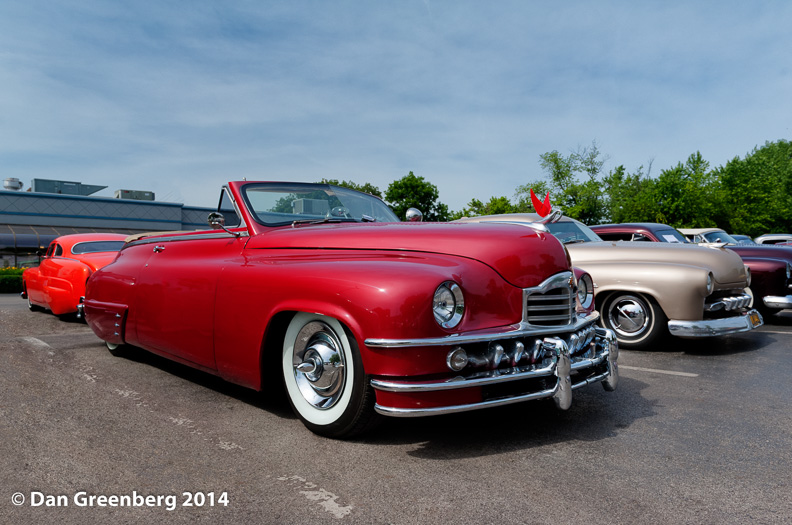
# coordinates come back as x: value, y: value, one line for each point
x: 636, y: 320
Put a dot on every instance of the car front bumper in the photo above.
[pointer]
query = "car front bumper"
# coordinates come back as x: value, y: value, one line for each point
x: 555, y: 377
x: 713, y: 327
x: 781, y: 302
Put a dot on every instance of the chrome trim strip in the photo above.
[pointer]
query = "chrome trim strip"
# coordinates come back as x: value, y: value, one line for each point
x: 591, y: 381
x: 460, y: 382
x: 198, y: 237
x: 714, y: 327
x: 417, y: 412
x: 777, y: 301
x: 480, y: 336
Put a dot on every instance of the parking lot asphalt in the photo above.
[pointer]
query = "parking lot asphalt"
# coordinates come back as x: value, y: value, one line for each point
x: 697, y: 432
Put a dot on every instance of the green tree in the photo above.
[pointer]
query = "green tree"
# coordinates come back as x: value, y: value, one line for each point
x: 366, y: 187
x: 476, y: 208
x: 684, y: 194
x: 756, y: 191
x: 579, y: 200
x: 629, y: 196
x: 412, y: 191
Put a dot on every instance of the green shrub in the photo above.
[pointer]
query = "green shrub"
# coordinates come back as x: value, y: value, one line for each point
x: 11, y: 280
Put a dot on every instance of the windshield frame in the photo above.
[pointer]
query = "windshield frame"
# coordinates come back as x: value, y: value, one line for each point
x: 676, y: 234
x: 583, y: 233
x: 724, y: 237
x: 353, y: 202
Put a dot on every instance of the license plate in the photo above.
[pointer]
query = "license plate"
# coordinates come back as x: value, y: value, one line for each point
x: 754, y: 319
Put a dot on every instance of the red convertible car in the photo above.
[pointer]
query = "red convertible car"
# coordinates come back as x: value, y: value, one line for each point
x: 321, y: 288
x: 58, y: 283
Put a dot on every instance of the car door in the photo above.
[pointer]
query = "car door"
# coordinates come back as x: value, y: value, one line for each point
x: 175, y: 297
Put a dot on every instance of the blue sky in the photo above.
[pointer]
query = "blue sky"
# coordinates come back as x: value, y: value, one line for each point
x: 177, y: 97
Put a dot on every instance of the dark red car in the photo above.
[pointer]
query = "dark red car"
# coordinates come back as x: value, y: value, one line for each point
x: 771, y: 266
x: 321, y: 288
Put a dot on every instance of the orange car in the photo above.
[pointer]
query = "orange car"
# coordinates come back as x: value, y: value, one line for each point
x: 59, y: 281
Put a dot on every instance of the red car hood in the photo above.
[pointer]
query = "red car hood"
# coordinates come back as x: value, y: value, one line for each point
x: 523, y: 256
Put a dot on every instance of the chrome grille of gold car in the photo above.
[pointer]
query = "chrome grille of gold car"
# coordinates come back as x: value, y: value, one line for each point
x: 552, y: 303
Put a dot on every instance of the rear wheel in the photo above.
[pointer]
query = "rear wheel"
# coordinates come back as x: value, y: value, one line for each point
x: 637, y: 320
x: 324, y: 377
x: 33, y: 307
x: 116, y: 349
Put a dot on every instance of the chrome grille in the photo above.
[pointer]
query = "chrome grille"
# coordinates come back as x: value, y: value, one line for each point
x: 552, y: 303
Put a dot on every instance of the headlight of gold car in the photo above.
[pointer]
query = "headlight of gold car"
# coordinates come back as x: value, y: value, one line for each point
x: 748, y: 275
x: 710, y: 283
x: 448, y: 304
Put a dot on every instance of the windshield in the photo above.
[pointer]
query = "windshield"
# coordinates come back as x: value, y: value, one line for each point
x: 671, y: 235
x: 276, y: 204
x: 743, y: 239
x: 97, y: 246
x: 720, y: 236
x: 569, y: 232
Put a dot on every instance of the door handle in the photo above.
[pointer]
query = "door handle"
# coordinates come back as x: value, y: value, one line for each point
x: 158, y: 249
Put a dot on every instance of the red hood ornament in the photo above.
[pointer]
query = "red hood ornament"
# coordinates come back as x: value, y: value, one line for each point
x: 542, y: 208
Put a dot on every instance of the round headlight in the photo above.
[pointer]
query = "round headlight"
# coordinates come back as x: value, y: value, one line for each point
x: 448, y: 305
x: 748, y: 275
x: 710, y: 283
x: 789, y: 271
x: 585, y: 291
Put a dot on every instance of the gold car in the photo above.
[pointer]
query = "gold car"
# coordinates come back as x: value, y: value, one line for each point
x: 644, y: 291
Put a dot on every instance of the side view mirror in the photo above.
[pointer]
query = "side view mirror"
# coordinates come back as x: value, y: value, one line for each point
x: 216, y: 220
x: 414, y: 215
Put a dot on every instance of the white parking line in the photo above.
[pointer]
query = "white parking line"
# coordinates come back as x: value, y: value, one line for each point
x: 655, y: 371
x: 773, y: 332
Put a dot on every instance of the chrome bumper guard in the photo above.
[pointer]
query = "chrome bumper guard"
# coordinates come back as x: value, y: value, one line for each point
x: 714, y: 327
x: 735, y: 302
x: 81, y: 308
x: 560, y: 365
x: 776, y: 301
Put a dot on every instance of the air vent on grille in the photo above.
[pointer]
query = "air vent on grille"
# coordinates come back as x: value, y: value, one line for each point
x: 555, y: 307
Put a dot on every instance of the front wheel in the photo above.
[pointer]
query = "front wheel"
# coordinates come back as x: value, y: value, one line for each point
x: 637, y: 320
x: 324, y: 377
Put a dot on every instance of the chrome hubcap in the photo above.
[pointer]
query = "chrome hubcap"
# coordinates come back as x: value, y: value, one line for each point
x: 628, y: 316
x: 319, y: 361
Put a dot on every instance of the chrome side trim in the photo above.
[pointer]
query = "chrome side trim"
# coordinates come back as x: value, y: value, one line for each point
x: 714, y: 327
x: 777, y: 301
x: 198, y: 237
x: 480, y: 336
